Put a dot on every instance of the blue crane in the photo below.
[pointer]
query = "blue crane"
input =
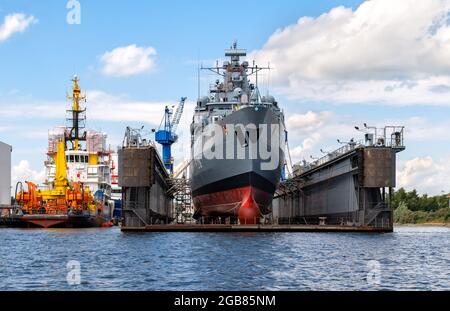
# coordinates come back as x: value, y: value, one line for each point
x: 166, y: 135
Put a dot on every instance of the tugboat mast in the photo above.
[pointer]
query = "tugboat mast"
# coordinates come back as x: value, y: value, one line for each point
x: 77, y: 116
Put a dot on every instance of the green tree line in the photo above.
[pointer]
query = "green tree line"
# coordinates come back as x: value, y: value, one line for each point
x: 412, y: 208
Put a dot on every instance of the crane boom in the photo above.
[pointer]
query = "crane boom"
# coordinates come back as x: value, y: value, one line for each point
x: 177, y: 116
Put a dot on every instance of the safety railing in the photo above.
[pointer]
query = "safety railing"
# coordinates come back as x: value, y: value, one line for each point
x: 305, y: 167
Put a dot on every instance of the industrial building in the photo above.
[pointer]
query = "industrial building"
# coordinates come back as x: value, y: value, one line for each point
x: 5, y: 174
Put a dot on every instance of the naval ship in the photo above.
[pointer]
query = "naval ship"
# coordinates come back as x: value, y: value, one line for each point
x: 236, y: 124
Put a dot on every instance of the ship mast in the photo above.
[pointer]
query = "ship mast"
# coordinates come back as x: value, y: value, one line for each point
x: 235, y: 74
x: 77, y: 116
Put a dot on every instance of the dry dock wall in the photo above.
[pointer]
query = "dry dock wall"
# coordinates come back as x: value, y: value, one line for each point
x: 5, y: 174
x: 352, y: 189
x: 143, y: 179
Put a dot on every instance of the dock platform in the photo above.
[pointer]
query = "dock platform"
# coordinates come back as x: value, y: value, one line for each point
x: 256, y: 228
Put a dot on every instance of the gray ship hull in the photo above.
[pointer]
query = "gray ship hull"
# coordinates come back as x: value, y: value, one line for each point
x: 241, y: 188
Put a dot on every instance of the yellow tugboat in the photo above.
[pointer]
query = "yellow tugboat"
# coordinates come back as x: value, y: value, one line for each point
x: 65, y: 202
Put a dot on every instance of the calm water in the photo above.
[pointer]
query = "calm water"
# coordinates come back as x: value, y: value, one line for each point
x: 410, y: 258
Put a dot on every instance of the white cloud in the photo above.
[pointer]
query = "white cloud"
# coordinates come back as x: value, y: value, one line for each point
x: 24, y: 172
x: 109, y: 107
x: 15, y: 23
x: 308, y: 122
x: 315, y: 129
x: 32, y: 109
x: 127, y: 61
x: 393, y: 52
x: 306, y: 148
x: 103, y: 106
x: 425, y: 174
x: 424, y: 130
x: 100, y: 106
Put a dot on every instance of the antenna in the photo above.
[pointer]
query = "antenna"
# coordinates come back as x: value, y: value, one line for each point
x: 198, y: 79
x: 256, y: 82
x: 256, y: 75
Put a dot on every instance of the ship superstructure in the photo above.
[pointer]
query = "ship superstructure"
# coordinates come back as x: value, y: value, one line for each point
x: 91, y: 166
x: 239, y: 127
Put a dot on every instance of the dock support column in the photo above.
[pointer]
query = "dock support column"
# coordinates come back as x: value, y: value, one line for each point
x: 391, y: 217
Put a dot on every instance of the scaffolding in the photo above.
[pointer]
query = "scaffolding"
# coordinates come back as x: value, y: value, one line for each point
x: 180, y: 189
x: 96, y: 142
x: 54, y: 136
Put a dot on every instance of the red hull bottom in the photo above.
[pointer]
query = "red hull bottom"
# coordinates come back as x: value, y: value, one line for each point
x: 247, y: 203
x: 63, y: 221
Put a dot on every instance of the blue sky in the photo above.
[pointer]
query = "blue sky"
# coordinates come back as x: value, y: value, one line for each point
x: 36, y: 65
x: 181, y: 31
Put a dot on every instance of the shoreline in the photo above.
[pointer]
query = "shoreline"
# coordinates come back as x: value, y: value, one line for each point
x: 429, y: 224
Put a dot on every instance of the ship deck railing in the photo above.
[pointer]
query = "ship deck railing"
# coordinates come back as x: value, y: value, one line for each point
x: 334, y: 155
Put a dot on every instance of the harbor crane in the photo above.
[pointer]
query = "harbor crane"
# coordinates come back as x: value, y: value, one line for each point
x: 166, y: 135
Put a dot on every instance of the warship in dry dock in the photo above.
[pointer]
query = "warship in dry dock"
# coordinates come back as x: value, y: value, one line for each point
x: 236, y: 187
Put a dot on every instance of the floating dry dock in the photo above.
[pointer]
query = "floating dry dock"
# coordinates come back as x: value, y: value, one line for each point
x: 145, y: 184
x: 351, y: 186
x: 348, y: 190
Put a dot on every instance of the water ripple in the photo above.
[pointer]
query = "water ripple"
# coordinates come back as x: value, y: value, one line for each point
x: 411, y: 258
